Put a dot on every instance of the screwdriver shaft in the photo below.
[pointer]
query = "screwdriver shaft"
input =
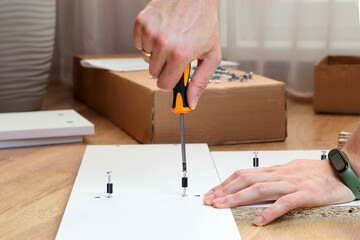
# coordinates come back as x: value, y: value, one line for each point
x: 183, y: 141
x: 183, y: 154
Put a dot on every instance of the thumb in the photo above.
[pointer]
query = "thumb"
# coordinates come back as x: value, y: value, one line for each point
x: 205, y: 69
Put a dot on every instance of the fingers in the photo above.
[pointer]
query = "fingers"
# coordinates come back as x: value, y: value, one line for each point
x: 145, y: 34
x: 237, y: 174
x: 279, y: 208
x: 154, y: 47
x: 158, y: 58
x: 137, y: 32
x: 241, y: 182
x: 148, y: 37
x: 173, y: 69
x: 146, y: 56
x: 257, y: 192
x: 205, y: 69
x: 244, y: 181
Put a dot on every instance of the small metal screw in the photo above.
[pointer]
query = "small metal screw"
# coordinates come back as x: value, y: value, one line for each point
x: 109, y: 185
x: 255, y: 160
x: 323, y: 155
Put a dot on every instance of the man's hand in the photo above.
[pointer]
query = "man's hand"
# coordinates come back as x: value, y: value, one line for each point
x: 300, y: 183
x: 176, y: 32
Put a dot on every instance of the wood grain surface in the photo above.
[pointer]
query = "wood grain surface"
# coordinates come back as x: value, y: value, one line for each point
x: 36, y: 182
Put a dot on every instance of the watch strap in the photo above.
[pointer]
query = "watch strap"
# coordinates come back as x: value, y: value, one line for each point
x: 351, y: 180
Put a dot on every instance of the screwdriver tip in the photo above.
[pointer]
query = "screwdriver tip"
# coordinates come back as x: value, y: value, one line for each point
x: 184, y: 193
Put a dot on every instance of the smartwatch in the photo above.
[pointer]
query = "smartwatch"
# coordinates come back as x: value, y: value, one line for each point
x: 342, y: 167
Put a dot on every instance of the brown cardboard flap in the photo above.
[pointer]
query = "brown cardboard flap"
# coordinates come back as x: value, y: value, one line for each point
x: 337, y: 85
x: 238, y: 112
x: 339, y: 60
x: 343, y: 60
x: 130, y: 107
x: 228, y: 112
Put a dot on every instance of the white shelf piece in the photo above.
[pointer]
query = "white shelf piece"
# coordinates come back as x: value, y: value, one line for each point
x: 42, y: 127
x: 147, y: 201
x: 39, y: 141
x: 228, y: 162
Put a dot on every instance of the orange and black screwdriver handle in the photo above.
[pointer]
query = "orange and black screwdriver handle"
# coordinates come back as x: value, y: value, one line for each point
x: 180, y: 104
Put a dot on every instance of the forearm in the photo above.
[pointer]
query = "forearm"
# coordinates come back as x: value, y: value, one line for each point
x: 352, y: 150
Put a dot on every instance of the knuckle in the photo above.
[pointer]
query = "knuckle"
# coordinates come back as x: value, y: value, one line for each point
x: 311, y: 189
x: 238, y: 172
x: 139, y: 20
x: 216, y: 188
x: 259, y: 187
x: 178, y: 55
x: 162, y: 85
x: 161, y: 42
x: 221, y: 192
x: 146, y: 59
x: 153, y: 72
x: 297, y: 162
x: 269, y: 213
x: 201, y: 86
x: 287, y: 201
x: 245, y: 178
x: 232, y: 199
x: 148, y: 32
x: 296, y: 182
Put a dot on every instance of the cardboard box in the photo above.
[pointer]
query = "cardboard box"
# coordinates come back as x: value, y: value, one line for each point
x: 227, y: 113
x: 337, y: 85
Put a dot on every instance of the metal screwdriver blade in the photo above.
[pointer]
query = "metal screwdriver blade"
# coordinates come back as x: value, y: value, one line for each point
x: 183, y: 152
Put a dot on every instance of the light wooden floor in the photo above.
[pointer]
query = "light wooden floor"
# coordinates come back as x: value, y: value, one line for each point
x: 35, y: 182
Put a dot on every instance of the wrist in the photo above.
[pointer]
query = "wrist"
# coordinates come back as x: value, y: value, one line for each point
x: 352, y: 150
x: 343, y: 167
x: 354, y: 158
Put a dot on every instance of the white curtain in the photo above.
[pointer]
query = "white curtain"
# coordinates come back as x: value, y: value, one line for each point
x: 92, y: 27
x: 282, y: 39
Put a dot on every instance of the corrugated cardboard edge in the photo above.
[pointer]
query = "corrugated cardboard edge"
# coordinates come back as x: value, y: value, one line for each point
x: 152, y: 117
x: 286, y: 117
x: 101, y: 96
x: 124, y: 100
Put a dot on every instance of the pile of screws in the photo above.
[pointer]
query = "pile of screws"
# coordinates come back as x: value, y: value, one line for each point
x: 221, y: 72
x: 343, y: 138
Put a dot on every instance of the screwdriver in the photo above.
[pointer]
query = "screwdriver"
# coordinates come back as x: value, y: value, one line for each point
x: 180, y: 105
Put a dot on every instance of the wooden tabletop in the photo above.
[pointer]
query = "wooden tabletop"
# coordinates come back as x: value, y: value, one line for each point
x: 36, y: 182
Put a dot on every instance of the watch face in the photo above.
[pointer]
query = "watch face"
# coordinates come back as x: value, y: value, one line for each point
x: 337, y: 160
